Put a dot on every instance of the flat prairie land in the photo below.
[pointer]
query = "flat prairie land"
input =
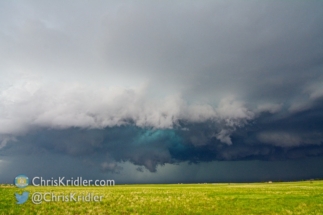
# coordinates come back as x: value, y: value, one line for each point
x: 304, y: 197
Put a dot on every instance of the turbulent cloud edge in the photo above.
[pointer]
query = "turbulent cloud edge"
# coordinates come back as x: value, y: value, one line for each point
x: 27, y: 104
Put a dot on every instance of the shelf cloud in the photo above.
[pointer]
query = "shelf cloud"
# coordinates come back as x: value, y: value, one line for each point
x: 161, y: 83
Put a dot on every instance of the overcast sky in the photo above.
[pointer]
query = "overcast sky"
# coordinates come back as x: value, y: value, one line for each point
x: 162, y: 91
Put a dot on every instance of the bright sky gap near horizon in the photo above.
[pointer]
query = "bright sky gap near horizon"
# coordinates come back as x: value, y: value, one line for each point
x: 161, y: 91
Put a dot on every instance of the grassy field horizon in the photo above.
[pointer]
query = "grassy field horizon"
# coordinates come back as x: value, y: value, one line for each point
x: 301, y: 197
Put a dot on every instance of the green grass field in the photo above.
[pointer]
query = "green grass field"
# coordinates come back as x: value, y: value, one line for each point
x: 241, y: 198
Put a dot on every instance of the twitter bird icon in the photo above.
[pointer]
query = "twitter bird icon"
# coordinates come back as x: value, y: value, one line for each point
x: 22, y: 198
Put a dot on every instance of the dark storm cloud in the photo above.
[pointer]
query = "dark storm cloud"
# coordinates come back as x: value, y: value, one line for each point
x: 293, y: 136
x: 158, y: 83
